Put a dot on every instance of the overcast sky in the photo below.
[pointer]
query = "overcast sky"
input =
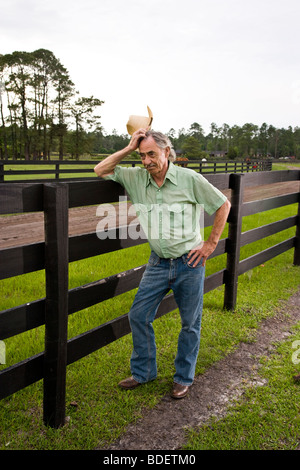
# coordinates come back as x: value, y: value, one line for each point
x: 222, y: 61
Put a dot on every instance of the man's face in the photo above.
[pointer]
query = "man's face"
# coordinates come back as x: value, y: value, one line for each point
x: 154, y: 159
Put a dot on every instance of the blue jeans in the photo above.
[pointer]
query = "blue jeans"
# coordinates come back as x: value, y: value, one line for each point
x: 186, y: 282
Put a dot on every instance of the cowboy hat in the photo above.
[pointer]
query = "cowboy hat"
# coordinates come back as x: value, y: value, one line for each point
x: 136, y: 122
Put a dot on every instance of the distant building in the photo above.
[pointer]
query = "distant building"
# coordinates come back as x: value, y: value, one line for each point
x: 218, y: 153
x: 261, y: 154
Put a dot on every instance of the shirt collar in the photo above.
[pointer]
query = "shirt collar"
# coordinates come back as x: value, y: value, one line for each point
x: 171, y: 175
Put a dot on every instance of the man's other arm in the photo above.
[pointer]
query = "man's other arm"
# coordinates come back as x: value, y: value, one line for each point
x: 205, y: 249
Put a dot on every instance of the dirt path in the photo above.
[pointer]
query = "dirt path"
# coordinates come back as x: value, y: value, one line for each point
x: 163, y: 427
x: 24, y: 229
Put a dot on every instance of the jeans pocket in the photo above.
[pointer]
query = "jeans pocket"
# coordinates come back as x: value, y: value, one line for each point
x: 187, y: 263
x: 154, y: 260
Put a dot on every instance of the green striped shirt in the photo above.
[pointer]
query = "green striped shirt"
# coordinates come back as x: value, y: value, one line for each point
x: 171, y: 215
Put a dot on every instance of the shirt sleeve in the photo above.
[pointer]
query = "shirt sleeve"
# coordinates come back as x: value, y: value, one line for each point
x: 116, y: 175
x: 208, y: 195
x: 126, y: 177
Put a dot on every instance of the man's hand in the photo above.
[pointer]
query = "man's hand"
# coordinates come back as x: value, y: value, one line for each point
x: 201, y: 252
x: 136, y: 138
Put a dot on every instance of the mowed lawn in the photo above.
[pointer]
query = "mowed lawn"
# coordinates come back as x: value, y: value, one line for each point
x: 97, y: 410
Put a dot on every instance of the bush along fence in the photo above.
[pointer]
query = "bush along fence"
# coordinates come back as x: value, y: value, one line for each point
x: 62, y: 168
x: 58, y: 249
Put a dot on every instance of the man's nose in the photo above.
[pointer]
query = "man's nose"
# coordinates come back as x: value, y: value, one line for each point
x: 147, y: 160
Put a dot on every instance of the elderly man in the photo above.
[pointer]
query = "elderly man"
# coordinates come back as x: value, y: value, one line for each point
x: 178, y: 253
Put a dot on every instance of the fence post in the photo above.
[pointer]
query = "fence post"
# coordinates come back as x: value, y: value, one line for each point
x: 57, y: 171
x: 1, y: 172
x: 56, y: 309
x: 236, y: 184
x: 297, y: 241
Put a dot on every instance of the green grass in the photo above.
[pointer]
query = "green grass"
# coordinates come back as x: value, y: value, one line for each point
x: 39, y: 167
x: 266, y: 417
x: 103, y: 410
x: 285, y: 166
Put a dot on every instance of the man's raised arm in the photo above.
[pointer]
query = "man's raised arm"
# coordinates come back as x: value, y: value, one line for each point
x: 107, y: 166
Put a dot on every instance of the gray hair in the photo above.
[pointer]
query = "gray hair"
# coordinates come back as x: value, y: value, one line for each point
x: 162, y: 141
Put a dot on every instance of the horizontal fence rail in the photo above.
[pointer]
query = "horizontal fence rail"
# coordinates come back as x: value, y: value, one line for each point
x: 9, y: 169
x: 59, y: 249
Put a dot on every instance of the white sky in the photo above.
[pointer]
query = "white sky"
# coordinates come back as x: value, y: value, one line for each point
x: 204, y: 61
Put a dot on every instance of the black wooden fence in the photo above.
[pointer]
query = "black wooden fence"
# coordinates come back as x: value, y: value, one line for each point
x: 9, y: 168
x: 53, y: 255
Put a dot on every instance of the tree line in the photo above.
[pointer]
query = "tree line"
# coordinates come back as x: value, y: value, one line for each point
x: 41, y: 112
x: 40, y: 108
x: 249, y: 140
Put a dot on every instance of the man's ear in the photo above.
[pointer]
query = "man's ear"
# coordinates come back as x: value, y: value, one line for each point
x: 167, y: 152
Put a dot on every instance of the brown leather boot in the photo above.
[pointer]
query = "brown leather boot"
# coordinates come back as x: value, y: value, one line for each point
x: 179, y: 391
x: 129, y: 383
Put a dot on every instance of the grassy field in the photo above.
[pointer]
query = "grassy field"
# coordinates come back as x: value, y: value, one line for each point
x: 276, y: 166
x: 98, y: 411
x: 266, y: 417
x: 35, y: 167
